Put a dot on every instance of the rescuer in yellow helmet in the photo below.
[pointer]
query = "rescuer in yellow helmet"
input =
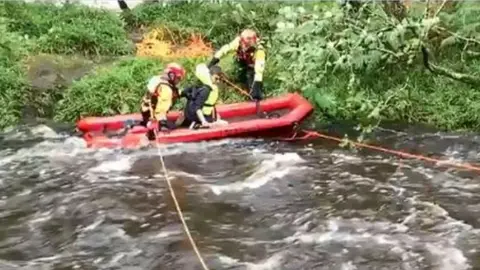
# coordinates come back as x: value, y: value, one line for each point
x: 201, y: 99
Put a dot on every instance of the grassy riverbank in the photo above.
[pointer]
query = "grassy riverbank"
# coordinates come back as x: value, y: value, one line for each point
x: 363, y: 65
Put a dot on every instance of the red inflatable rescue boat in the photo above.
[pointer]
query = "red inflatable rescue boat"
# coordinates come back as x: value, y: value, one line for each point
x: 285, y: 113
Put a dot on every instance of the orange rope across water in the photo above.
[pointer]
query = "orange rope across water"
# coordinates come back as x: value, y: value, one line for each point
x: 314, y: 134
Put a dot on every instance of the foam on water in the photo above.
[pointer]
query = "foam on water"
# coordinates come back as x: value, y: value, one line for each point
x: 271, y: 167
x: 307, y: 209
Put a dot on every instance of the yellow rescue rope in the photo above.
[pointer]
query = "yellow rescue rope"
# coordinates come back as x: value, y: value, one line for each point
x: 177, y: 206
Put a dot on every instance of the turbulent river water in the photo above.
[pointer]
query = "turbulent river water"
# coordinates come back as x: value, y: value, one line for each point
x: 250, y: 204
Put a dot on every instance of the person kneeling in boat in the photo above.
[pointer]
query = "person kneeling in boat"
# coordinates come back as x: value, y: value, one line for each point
x: 250, y: 56
x: 162, y: 93
x: 201, y: 100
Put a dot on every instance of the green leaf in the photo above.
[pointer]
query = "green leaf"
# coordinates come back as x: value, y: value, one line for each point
x: 325, y: 101
x: 375, y: 114
x: 393, y: 39
x: 306, y: 28
x: 430, y: 22
x: 448, y: 41
x: 125, y: 108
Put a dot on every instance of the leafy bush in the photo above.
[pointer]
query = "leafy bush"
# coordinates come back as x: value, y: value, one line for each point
x: 114, y: 89
x: 219, y: 22
x: 12, y: 82
x: 108, y: 90
x: 69, y: 29
x: 11, y: 95
x: 368, y: 68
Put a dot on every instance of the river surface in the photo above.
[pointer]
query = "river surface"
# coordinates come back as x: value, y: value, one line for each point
x: 250, y: 204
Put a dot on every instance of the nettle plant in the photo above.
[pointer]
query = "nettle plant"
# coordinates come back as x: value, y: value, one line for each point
x: 335, y: 55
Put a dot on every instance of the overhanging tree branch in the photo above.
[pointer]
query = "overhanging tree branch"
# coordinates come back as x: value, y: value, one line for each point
x: 465, y: 78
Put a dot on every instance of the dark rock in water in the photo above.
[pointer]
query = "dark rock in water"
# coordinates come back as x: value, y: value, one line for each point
x: 48, y: 72
x: 48, y: 76
x: 44, y: 78
x: 28, y: 114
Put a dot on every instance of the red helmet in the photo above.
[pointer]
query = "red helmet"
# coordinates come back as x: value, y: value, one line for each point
x: 174, y: 71
x: 248, y: 38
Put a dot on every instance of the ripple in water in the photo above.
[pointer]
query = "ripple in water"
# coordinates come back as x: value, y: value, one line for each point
x: 249, y: 205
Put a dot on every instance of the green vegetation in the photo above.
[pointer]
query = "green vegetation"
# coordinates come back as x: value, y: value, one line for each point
x: 112, y: 89
x: 229, y: 18
x: 367, y: 65
x: 12, y: 78
x: 363, y: 64
x: 70, y: 29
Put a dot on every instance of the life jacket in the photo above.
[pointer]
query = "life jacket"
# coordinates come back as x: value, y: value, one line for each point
x: 209, y: 105
x: 246, y: 56
x: 158, y: 81
x: 203, y: 74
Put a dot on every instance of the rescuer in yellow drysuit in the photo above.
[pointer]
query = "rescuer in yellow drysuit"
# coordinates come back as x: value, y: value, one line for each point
x: 201, y: 99
x: 162, y: 93
x: 250, y: 55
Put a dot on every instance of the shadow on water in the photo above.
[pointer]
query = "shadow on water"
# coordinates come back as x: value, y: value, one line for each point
x: 250, y: 204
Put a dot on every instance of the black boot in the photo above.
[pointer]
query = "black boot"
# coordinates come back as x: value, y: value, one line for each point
x: 145, y: 118
x: 151, y: 135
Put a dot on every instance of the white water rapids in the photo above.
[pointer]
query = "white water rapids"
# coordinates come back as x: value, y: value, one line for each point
x: 250, y: 205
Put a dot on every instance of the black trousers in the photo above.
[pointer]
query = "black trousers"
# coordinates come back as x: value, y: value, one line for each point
x: 191, y: 116
x: 246, y: 74
x: 188, y: 121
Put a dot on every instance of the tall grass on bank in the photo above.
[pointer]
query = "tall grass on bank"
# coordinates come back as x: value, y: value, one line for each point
x: 114, y: 89
x: 70, y: 29
x: 12, y: 78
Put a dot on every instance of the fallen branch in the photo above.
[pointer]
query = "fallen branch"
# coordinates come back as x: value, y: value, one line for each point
x: 465, y: 78
x: 440, y: 8
x: 456, y: 35
x: 472, y: 53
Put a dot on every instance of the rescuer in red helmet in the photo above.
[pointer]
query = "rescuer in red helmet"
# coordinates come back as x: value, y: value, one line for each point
x: 162, y: 92
x: 250, y: 55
